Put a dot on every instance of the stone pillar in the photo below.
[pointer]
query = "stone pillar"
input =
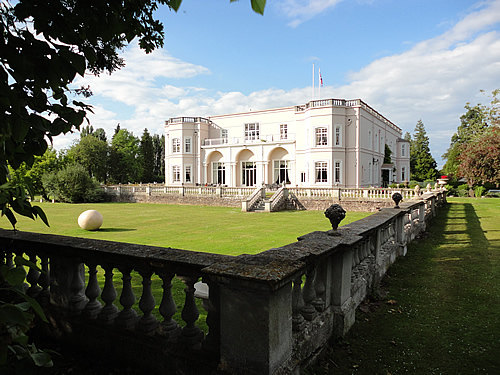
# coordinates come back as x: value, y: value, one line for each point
x: 343, y: 312
x: 255, y: 328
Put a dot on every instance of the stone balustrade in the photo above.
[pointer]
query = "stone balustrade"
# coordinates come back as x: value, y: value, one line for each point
x: 268, y: 313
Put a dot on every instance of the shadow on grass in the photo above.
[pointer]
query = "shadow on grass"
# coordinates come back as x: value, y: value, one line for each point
x: 116, y: 230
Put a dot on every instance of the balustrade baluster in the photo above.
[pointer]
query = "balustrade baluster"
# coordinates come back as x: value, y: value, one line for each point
x: 167, y: 306
x: 212, y: 339
x: 44, y: 281
x: 191, y: 334
x: 127, y: 318
x: 109, y: 311
x: 297, y: 304
x: 32, y: 277
x: 77, y: 300
x: 309, y: 294
x: 147, y: 323
x: 320, y: 287
x: 93, y: 291
x: 8, y: 259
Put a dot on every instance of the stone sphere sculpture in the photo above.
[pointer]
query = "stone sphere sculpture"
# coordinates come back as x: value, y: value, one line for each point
x: 335, y: 213
x: 90, y: 220
x: 397, y: 197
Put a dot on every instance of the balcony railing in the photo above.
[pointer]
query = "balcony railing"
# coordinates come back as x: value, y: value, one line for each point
x: 266, y: 313
x: 271, y: 138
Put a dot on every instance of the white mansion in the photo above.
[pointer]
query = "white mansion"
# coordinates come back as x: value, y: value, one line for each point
x: 332, y: 142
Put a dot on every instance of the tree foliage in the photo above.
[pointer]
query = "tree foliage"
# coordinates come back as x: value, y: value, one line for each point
x: 422, y: 164
x: 480, y: 159
x: 387, y: 154
x: 159, y: 157
x: 124, y: 157
x: 473, y: 124
x: 92, y: 153
x: 146, y: 157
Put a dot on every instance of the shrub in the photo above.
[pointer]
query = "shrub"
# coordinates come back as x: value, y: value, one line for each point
x: 479, y: 191
x: 73, y: 185
x: 412, y: 184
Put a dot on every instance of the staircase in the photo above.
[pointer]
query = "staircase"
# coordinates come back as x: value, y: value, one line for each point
x: 260, y: 206
x: 281, y: 200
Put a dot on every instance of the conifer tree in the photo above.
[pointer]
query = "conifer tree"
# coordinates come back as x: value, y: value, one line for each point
x: 424, y: 166
x: 146, y: 157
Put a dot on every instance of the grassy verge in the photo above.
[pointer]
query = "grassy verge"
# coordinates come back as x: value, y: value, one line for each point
x: 441, y: 314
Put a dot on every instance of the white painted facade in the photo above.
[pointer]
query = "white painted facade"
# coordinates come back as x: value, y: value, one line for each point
x: 332, y: 142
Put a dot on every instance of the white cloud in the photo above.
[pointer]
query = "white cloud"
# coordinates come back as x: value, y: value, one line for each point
x: 300, y: 11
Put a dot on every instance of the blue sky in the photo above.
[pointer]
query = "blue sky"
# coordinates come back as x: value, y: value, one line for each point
x: 410, y: 60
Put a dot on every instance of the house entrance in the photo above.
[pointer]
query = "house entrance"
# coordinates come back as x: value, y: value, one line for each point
x: 385, y: 177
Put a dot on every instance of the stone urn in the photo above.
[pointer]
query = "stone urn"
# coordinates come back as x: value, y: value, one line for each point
x: 417, y: 190
x: 397, y: 197
x: 335, y: 213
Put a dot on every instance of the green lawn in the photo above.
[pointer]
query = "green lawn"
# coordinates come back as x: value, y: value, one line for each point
x: 222, y: 230
x: 441, y: 314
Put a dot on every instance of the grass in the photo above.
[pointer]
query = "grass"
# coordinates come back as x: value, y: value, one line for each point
x: 441, y: 314
x: 220, y: 230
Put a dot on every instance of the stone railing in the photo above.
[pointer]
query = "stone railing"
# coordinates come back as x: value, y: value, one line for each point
x: 277, y: 201
x: 300, y: 192
x: 249, y: 203
x: 268, y: 313
x: 242, y: 140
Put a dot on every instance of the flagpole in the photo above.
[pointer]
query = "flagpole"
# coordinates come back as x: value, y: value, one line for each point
x: 312, y: 93
x: 319, y: 82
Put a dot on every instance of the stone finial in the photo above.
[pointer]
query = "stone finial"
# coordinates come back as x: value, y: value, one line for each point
x: 429, y: 187
x: 397, y: 197
x: 335, y: 213
x: 417, y: 190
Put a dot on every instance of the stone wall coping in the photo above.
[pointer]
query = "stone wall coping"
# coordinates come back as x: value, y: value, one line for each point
x: 116, y: 253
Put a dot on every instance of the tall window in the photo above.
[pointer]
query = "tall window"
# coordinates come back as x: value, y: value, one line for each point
x: 321, y: 171
x: 403, y: 149
x: 283, y: 131
x: 187, y: 174
x: 321, y: 136
x: 337, y: 173
x: 176, y: 173
x: 302, y: 176
x: 218, y: 173
x: 249, y: 173
x: 176, y: 145
x: 403, y: 174
x: 280, y: 171
x: 252, y: 132
x: 224, y: 133
x: 338, y: 139
x: 187, y: 145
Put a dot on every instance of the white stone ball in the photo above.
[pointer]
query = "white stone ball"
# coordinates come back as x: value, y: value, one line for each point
x: 90, y: 220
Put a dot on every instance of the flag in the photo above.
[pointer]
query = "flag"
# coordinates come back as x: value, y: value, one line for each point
x: 320, y: 78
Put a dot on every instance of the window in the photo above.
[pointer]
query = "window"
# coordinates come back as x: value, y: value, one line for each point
x: 403, y: 173
x: 302, y: 176
x: 283, y: 131
x: 187, y: 174
x: 249, y: 173
x: 403, y: 151
x: 338, y: 173
x: 252, y: 132
x: 224, y: 133
x: 280, y: 172
x: 187, y: 145
x: 321, y: 171
x: 218, y: 173
x: 176, y: 145
x: 338, y: 136
x: 321, y: 136
x: 176, y: 173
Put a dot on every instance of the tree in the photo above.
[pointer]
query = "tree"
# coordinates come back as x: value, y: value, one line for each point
x: 424, y: 167
x: 159, y: 157
x: 480, y: 159
x: 92, y: 153
x: 146, y: 157
x: 44, y: 45
x: 387, y: 154
x: 32, y: 176
x: 124, y: 157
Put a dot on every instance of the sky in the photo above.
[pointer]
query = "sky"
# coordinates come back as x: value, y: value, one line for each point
x: 409, y: 59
